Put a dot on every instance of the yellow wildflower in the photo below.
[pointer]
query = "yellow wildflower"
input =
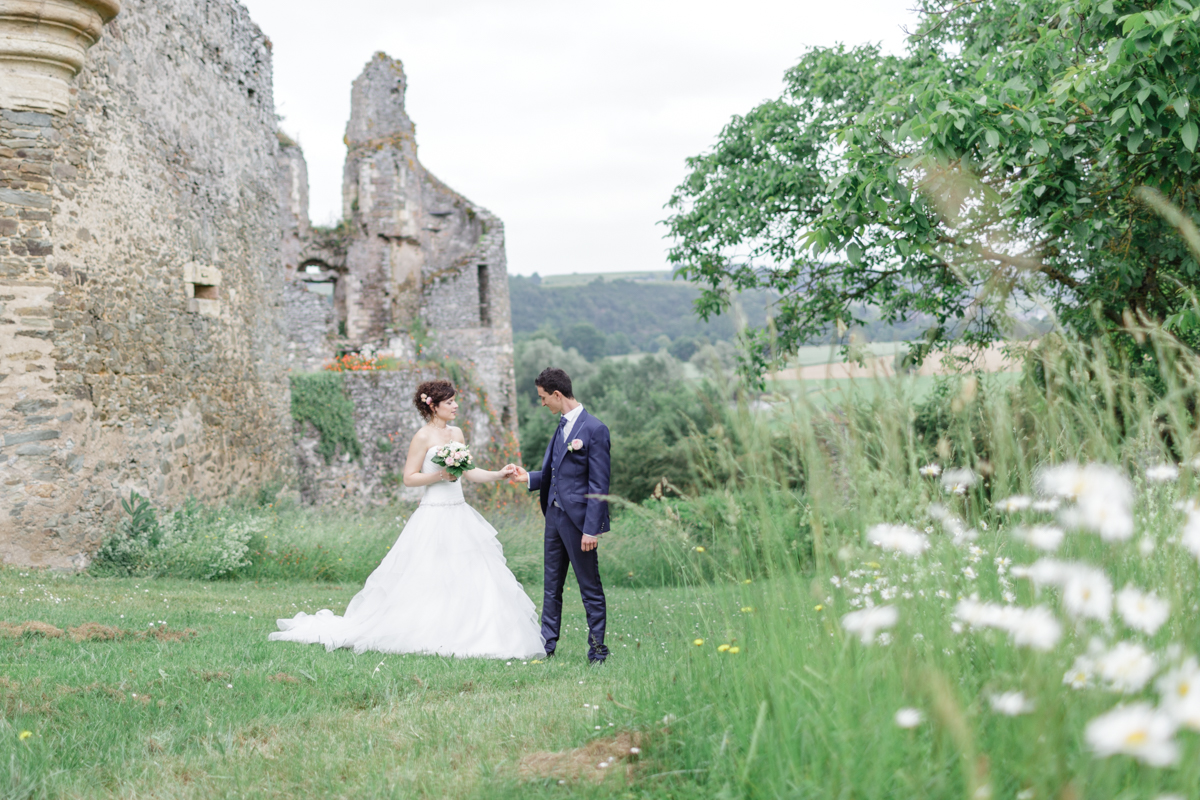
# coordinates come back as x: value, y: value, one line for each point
x: 747, y: 581
x: 698, y: 642
x: 747, y: 609
x: 873, y: 564
x: 699, y: 549
x: 23, y: 735
x: 818, y: 607
x: 722, y: 648
x: 735, y: 649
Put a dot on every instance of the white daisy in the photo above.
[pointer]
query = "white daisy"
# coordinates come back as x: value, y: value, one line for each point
x: 1018, y: 502
x: 1037, y: 628
x: 1136, y: 730
x: 1079, y: 676
x: 1011, y: 704
x: 908, y: 718
x: 1162, y: 473
x: 1142, y: 611
x: 1180, y: 693
x: 869, y: 621
x: 1088, y: 593
x: 930, y: 470
x: 1190, y: 536
x: 1103, y: 498
x: 958, y: 480
x: 898, y: 538
x: 1127, y: 667
x: 1047, y: 538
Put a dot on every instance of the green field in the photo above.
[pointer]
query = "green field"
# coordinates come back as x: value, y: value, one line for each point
x: 224, y: 713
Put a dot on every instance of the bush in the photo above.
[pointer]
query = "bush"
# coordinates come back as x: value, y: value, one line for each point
x: 191, y: 543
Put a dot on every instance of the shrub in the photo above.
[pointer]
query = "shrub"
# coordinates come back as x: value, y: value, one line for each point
x: 194, y: 542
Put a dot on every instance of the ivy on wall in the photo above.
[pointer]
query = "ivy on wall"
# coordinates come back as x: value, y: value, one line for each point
x: 320, y: 398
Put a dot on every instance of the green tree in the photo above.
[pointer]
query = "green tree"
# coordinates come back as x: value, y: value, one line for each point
x: 996, y: 163
x: 586, y: 338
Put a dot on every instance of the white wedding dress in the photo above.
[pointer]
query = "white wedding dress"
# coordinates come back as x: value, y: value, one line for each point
x: 444, y: 588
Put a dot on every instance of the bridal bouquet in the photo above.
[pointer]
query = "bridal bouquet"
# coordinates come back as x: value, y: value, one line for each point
x: 455, y: 457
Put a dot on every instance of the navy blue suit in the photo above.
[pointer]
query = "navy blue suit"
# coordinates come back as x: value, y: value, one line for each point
x: 568, y: 482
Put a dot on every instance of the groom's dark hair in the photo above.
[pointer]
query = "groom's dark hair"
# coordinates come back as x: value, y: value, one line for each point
x: 553, y: 379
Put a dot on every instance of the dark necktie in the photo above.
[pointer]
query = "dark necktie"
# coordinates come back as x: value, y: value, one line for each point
x: 558, y: 434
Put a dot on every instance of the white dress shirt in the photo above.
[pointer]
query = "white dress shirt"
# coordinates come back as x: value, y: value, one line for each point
x: 570, y: 417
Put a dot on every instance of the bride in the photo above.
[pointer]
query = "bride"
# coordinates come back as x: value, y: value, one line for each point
x: 443, y: 588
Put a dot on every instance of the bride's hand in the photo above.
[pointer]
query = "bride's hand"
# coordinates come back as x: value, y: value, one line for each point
x: 446, y: 476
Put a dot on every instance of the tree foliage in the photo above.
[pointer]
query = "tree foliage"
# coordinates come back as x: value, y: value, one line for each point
x: 995, y: 165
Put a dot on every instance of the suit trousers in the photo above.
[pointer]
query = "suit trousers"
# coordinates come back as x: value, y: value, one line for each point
x: 563, y: 548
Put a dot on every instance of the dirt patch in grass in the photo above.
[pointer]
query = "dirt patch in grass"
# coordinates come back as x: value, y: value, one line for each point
x: 164, y: 634
x: 14, y: 630
x: 283, y: 677
x: 93, y: 632
x: 595, y: 761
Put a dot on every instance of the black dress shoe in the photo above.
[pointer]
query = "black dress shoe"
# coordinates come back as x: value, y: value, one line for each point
x: 595, y: 662
x: 549, y: 656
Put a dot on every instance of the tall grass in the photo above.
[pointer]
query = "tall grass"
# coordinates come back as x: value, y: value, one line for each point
x: 797, y: 706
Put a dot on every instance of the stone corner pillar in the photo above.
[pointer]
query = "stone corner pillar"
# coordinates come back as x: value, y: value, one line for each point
x: 42, y: 47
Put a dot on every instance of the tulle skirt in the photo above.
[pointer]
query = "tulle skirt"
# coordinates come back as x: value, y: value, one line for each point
x: 444, y: 588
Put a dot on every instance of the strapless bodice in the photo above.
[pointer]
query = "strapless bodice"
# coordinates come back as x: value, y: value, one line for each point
x: 440, y: 494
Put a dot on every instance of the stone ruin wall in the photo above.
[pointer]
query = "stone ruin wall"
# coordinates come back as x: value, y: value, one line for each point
x: 410, y: 251
x: 142, y: 335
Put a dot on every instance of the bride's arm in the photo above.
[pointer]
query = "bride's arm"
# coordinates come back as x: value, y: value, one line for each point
x: 479, y: 475
x: 413, y: 477
x: 486, y: 476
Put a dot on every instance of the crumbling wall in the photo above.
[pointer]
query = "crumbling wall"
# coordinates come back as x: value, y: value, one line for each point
x: 141, y: 327
x: 385, y: 421
x: 421, y: 276
x: 419, y: 249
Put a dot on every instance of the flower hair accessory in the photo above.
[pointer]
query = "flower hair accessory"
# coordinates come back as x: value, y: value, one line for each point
x: 426, y: 399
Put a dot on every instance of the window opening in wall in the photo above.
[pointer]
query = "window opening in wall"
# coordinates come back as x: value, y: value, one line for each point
x: 205, y: 291
x: 485, y: 310
x: 320, y: 280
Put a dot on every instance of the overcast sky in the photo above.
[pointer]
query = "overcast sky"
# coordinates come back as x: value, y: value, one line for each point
x: 570, y: 121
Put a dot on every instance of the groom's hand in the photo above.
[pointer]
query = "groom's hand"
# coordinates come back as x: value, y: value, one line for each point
x: 589, y: 543
x: 519, y: 472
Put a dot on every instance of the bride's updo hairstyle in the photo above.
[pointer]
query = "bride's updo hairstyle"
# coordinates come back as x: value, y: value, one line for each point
x: 430, y: 394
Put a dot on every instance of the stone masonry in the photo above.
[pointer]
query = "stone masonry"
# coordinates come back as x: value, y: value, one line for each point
x: 142, y: 334
x: 411, y: 255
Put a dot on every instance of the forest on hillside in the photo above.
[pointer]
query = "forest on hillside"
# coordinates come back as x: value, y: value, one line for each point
x: 617, y: 317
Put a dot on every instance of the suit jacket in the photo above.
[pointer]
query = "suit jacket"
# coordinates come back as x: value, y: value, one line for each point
x: 578, y: 474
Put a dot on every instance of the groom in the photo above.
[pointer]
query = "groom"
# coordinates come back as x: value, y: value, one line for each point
x: 574, y: 470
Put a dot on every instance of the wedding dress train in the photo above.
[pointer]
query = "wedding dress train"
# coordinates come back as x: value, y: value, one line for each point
x: 443, y: 588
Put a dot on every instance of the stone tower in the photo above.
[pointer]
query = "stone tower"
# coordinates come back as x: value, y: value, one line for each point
x: 410, y: 255
x: 420, y: 249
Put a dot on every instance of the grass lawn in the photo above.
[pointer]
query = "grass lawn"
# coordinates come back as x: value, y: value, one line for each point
x: 224, y: 713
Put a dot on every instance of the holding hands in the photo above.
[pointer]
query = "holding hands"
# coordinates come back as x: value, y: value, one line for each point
x: 514, y: 472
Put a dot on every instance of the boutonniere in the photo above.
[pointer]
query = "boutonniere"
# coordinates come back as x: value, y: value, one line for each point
x: 574, y: 445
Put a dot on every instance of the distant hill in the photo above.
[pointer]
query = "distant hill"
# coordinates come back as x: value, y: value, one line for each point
x: 628, y: 310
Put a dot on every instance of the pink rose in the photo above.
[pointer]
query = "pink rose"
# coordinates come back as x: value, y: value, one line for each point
x: 576, y: 444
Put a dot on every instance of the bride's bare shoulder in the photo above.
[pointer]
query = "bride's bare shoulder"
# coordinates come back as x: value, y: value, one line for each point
x: 422, y: 440
x: 456, y: 434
